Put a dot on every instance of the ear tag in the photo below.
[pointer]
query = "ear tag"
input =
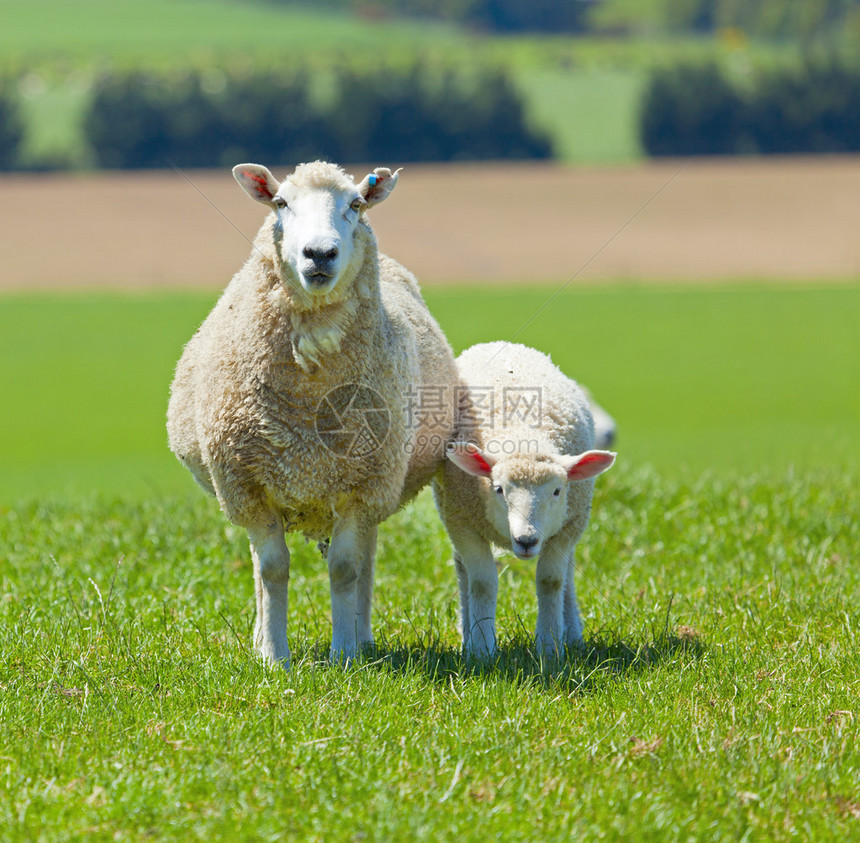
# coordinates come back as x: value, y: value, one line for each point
x: 372, y: 180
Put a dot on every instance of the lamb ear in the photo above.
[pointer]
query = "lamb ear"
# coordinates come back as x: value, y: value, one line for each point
x: 469, y: 458
x: 377, y: 185
x: 587, y: 464
x: 257, y: 182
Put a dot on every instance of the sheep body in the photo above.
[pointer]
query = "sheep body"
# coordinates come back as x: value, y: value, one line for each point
x: 520, y: 475
x: 292, y: 406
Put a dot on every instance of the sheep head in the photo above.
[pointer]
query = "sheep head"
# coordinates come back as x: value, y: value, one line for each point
x: 320, y: 230
x: 527, y: 494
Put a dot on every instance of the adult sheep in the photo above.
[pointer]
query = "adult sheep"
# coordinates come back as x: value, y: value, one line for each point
x: 293, y: 403
x: 519, y: 475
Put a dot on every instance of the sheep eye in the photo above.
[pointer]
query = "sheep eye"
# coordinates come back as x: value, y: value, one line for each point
x: 280, y: 202
x: 557, y: 492
x: 498, y: 490
x: 356, y: 205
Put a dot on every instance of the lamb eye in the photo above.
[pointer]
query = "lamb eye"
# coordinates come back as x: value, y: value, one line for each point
x: 557, y: 492
x: 498, y: 489
x: 356, y: 205
x: 280, y: 202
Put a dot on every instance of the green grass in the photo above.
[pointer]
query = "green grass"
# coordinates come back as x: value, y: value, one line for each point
x: 713, y: 378
x: 592, y: 115
x: 716, y: 695
x: 715, y: 699
x: 176, y: 31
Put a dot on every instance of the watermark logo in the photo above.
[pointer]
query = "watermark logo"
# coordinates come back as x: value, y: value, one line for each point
x: 352, y: 421
x: 522, y: 407
x: 512, y: 406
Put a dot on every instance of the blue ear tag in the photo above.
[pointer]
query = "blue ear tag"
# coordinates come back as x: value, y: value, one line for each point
x: 372, y: 179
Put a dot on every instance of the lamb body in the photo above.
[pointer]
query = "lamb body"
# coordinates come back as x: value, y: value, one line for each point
x: 519, y: 475
x: 291, y: 402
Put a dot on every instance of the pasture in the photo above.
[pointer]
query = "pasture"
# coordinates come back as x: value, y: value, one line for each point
x: 718, y: 379
x: 716, y: 695
x: 715, y: 698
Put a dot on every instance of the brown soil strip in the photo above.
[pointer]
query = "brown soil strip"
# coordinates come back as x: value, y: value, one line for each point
x: 718, y: 219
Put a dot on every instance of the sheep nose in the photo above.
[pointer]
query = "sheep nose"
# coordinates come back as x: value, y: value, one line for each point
x: 320, y: 253
x: 526, y: 547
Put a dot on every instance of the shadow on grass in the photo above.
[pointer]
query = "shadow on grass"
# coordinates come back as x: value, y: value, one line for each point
x: 580, y: 670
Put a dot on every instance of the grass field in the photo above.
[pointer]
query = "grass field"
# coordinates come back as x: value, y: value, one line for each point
x: 176, y: 31
x: 718, y: 379
x: 592, y: 114
x: 715, y: 697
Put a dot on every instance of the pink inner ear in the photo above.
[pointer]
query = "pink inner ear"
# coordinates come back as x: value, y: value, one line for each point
x: 470, y: 460
x: 481, y: 464
x: 261, y: 181
x: 590, y: 464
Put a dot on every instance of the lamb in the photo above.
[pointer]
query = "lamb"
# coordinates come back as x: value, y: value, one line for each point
x: 519, y: 474
x: 294, y: 402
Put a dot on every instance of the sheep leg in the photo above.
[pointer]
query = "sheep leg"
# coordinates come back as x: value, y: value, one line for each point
x: 463, y: 582
x: 572, y: 617
x: 479, y: 587
x: 364, y: 595
x: 350, y: 570
x: 550, y: 584
x: 271, y: 578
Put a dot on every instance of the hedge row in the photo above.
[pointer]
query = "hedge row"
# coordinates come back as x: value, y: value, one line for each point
x: 208, y: 119
x: 494, y: 15
x: 11, y: 127
x: 700, y: 110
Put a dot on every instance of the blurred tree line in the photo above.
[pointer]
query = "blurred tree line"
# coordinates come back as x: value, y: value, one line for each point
x: 11, y: 125
x: 209, y: 118
x: 492, y: 15
x: 702, y: 110
x: 803, y: 19
x: 782, y: 19
x: 411, y: 109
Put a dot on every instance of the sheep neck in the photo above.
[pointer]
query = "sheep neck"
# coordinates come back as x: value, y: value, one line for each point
x: 318, y: 325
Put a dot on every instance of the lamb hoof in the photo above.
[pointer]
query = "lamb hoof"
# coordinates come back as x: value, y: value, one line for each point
x: 273, y: 656
x: 283, y: 662
x: 343, y: 656
x: 481, y: 654
x: 549, y: 650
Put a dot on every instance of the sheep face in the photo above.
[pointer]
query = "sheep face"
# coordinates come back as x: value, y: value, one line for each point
x: 320, y: 219
x: 526, y: 496
x: 528, y: 501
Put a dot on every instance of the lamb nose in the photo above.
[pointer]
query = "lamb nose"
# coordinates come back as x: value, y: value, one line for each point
x: 527, y: 542
x: 320, y: 253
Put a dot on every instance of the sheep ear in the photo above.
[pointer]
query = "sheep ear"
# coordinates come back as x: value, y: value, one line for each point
x: 469, y: 458
x: 377, y: 185
x: 587, y: 464
x: 257, y: 182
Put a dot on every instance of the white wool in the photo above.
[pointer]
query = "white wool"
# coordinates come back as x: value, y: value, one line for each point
x: 517, y: 492
x: 251, y: 385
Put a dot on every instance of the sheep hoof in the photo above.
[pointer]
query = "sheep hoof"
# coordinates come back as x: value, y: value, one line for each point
x: 283, y: 662
x: 343, y: 657
x: 270, y: 655
x: 549, y: 650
